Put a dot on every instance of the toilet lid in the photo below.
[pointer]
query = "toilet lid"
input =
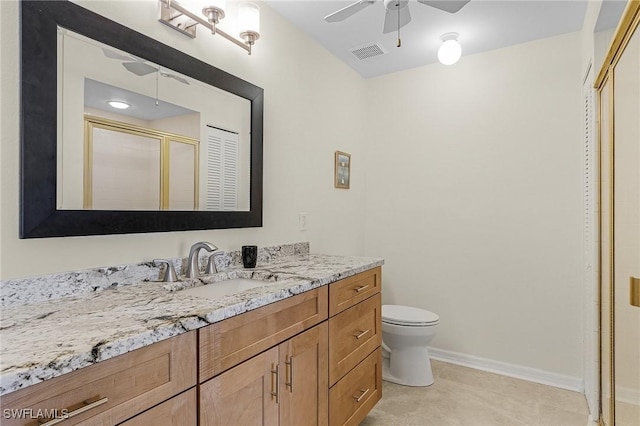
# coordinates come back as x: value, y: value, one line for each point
x: 406, y: 315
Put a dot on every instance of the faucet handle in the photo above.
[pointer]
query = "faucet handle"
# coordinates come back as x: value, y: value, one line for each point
x: 211, y: 264
x: 170, y: 275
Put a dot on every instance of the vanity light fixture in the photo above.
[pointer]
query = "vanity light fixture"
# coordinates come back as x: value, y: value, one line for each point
x: 450, y: 50
x: 185, y: 15
x: 214, y: 11
x: 118, y: 104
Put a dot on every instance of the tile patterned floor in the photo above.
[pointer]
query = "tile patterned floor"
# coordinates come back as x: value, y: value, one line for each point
x: 463, y: 396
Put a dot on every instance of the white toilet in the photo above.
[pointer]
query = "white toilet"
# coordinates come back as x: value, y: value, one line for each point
x: 406, y: 332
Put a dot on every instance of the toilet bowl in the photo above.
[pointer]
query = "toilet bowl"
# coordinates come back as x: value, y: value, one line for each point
x: 406, y: 332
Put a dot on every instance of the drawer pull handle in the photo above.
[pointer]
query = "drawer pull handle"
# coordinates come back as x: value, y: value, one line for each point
x: 289, y: 375
x: 359, y: 398
x: 362, y: 333
x: 362, y: 287
x: 88, y: 405
x: 275, y: 383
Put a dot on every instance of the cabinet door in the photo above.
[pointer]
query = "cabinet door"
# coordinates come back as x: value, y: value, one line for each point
x: 243, y: 394
x: 180, y: 410
x: 303, y: 378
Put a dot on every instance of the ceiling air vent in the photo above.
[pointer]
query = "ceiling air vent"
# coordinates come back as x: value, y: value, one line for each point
x: 368, y: 51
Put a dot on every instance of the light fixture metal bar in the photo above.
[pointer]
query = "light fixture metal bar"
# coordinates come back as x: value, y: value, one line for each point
x: 174, y: 4
x: 176, y: 20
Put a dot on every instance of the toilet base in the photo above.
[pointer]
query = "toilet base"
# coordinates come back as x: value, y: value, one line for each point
x: 410, y: 367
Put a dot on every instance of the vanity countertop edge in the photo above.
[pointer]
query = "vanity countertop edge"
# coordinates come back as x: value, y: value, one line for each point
x: 48, y: 339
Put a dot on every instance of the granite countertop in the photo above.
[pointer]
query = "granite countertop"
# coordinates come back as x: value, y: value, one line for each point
x: 49, y: 338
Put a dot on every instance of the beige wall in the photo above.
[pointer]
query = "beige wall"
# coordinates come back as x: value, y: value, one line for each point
x: 304, y: 124
x: 477, y: 208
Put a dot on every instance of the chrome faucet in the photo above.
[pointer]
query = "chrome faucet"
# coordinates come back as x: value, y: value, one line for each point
x: 193, y: 266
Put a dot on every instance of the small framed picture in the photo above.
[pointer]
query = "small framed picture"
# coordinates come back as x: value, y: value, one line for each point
x: 343, y: 170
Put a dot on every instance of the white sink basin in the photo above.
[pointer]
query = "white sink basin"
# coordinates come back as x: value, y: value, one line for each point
x: 224, y: 288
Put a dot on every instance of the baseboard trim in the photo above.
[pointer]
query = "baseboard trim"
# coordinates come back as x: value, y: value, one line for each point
x: 511, y: 370
x: 627, y: 395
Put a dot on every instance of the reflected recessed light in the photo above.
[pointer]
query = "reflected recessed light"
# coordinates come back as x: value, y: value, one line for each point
x: 119, y: 104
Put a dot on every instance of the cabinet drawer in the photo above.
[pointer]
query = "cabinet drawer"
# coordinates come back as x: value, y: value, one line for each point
x: 351, y: 399
x: 353, y: 334
x: 234, y: 340
x: 117, y: 388
x: 180, y: 410
x: 347, y: 292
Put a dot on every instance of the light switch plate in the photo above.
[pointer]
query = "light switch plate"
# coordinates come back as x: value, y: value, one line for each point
x: 302, y: 221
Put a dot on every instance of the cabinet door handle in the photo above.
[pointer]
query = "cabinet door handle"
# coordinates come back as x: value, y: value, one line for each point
x: 87, y: 405
x: 362, y: 394
x: 275, y: 383
x: 362, y: 287
x: 289, y: 375
x: 362, y: 333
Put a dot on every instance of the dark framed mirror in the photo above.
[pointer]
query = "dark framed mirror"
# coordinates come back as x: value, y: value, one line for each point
x: 41, y: 212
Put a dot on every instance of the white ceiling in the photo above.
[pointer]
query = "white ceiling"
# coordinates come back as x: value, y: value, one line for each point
x: 97, y: 94
x: 483, y: 25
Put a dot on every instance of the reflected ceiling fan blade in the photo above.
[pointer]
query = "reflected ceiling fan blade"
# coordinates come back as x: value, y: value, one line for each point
x: 391, y: 19
x: 451, y: 6
x: 175, y: 77
x: 115, y: 55
x: 348, y: 11
x: 138, y: 68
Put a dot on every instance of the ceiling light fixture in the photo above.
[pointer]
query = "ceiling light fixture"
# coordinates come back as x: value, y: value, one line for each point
x: 180, y: 16
x: 450, y: 50
x: 118, y: 104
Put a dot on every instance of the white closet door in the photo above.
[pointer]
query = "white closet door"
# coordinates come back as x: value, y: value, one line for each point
x: 222, y: 169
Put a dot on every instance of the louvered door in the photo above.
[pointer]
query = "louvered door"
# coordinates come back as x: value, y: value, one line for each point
x: 222, y: 169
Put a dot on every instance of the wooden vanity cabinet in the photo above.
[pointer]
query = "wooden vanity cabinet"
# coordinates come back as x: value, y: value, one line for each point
x: 286, y: 385
x: 355, y: 355
x: 312, y: 359
x: 114, y: 390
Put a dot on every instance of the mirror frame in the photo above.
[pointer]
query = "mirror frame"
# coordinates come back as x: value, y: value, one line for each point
x: 39, y: 216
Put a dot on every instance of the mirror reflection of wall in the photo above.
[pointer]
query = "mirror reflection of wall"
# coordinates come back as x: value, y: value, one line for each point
x: 179, y: 167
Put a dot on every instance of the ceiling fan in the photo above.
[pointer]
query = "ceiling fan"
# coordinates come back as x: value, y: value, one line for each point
x: 138, y: 67
x: 397, y: 13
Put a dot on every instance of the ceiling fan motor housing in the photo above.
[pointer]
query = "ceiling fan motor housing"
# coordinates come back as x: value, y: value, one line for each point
x: 395, y: 4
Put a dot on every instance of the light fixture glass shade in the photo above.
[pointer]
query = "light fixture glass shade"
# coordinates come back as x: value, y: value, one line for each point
x: 449, y: 52
x: 249, y: 18
x: 197, y: 6
x: 219, y: 4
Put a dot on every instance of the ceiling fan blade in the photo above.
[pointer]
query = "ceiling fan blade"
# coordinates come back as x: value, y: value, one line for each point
x: 175, y: 77
x: 115, y: 55
x: 391, y: 19
x: 348, y: 11
x: 451, y: 6
x: 138, y: 68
